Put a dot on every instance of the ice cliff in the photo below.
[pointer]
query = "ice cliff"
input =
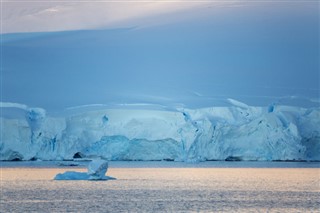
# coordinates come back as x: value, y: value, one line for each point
x: 236, y: 132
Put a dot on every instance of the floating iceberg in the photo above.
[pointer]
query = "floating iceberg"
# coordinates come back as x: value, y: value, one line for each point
x: 238, y: 131
x: 96, y: 171
x: 71, y: 175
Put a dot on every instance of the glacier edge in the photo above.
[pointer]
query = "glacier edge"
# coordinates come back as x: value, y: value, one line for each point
x: 216, y: 133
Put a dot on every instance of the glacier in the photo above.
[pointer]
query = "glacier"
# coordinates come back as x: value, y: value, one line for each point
x: 235, y: 132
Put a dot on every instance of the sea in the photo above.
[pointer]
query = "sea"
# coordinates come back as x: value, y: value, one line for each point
x: 163, y: 187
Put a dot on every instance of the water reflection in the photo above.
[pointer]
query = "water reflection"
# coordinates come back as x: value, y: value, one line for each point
x: 163, y: 189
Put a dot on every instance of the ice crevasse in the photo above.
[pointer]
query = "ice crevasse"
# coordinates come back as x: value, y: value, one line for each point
x: 237, y: 132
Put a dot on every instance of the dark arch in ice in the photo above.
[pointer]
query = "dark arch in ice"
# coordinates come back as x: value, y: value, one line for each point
x: 78, y: 155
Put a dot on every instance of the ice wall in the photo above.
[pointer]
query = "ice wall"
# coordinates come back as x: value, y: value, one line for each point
x: 237, y: 132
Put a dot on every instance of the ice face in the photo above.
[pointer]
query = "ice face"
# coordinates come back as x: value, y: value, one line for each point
x: 97, y: 169
x: 237, y: 132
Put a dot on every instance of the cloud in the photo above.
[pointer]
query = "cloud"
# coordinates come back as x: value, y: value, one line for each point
x: 39, y: 16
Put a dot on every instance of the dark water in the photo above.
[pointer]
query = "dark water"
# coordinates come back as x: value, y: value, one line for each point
x: 160, y: 187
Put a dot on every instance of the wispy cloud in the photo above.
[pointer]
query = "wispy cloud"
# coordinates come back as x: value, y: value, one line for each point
x: 40, y: 16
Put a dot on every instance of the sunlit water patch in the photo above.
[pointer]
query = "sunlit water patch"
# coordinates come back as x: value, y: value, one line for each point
x: 155, y: 187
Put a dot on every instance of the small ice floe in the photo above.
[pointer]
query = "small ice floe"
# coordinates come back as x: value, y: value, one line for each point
x: 68, y: 164
x: 82, y: 159
x: 96, y: 171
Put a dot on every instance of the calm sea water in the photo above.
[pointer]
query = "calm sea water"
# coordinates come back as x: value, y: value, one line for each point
x: 164, y: 187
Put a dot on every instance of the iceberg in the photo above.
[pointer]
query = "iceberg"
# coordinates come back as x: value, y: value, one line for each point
x: 238, y: 131
x: 71, y: 175
x: 96, y: 171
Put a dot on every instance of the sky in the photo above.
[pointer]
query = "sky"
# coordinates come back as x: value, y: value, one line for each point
x: 60, y: 54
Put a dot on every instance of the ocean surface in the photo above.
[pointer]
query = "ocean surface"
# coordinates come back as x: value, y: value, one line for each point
x: 163, y: 187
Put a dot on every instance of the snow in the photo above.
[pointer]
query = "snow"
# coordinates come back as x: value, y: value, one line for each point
x: 13, y: 105
x: 97, y: 169
x: 239, y: 132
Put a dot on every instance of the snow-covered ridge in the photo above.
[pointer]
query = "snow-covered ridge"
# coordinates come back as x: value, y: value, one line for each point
x: 237, y: 132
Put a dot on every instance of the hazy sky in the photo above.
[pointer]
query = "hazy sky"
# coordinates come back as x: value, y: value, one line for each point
x: 40, y: 16
x: 57, y: 55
